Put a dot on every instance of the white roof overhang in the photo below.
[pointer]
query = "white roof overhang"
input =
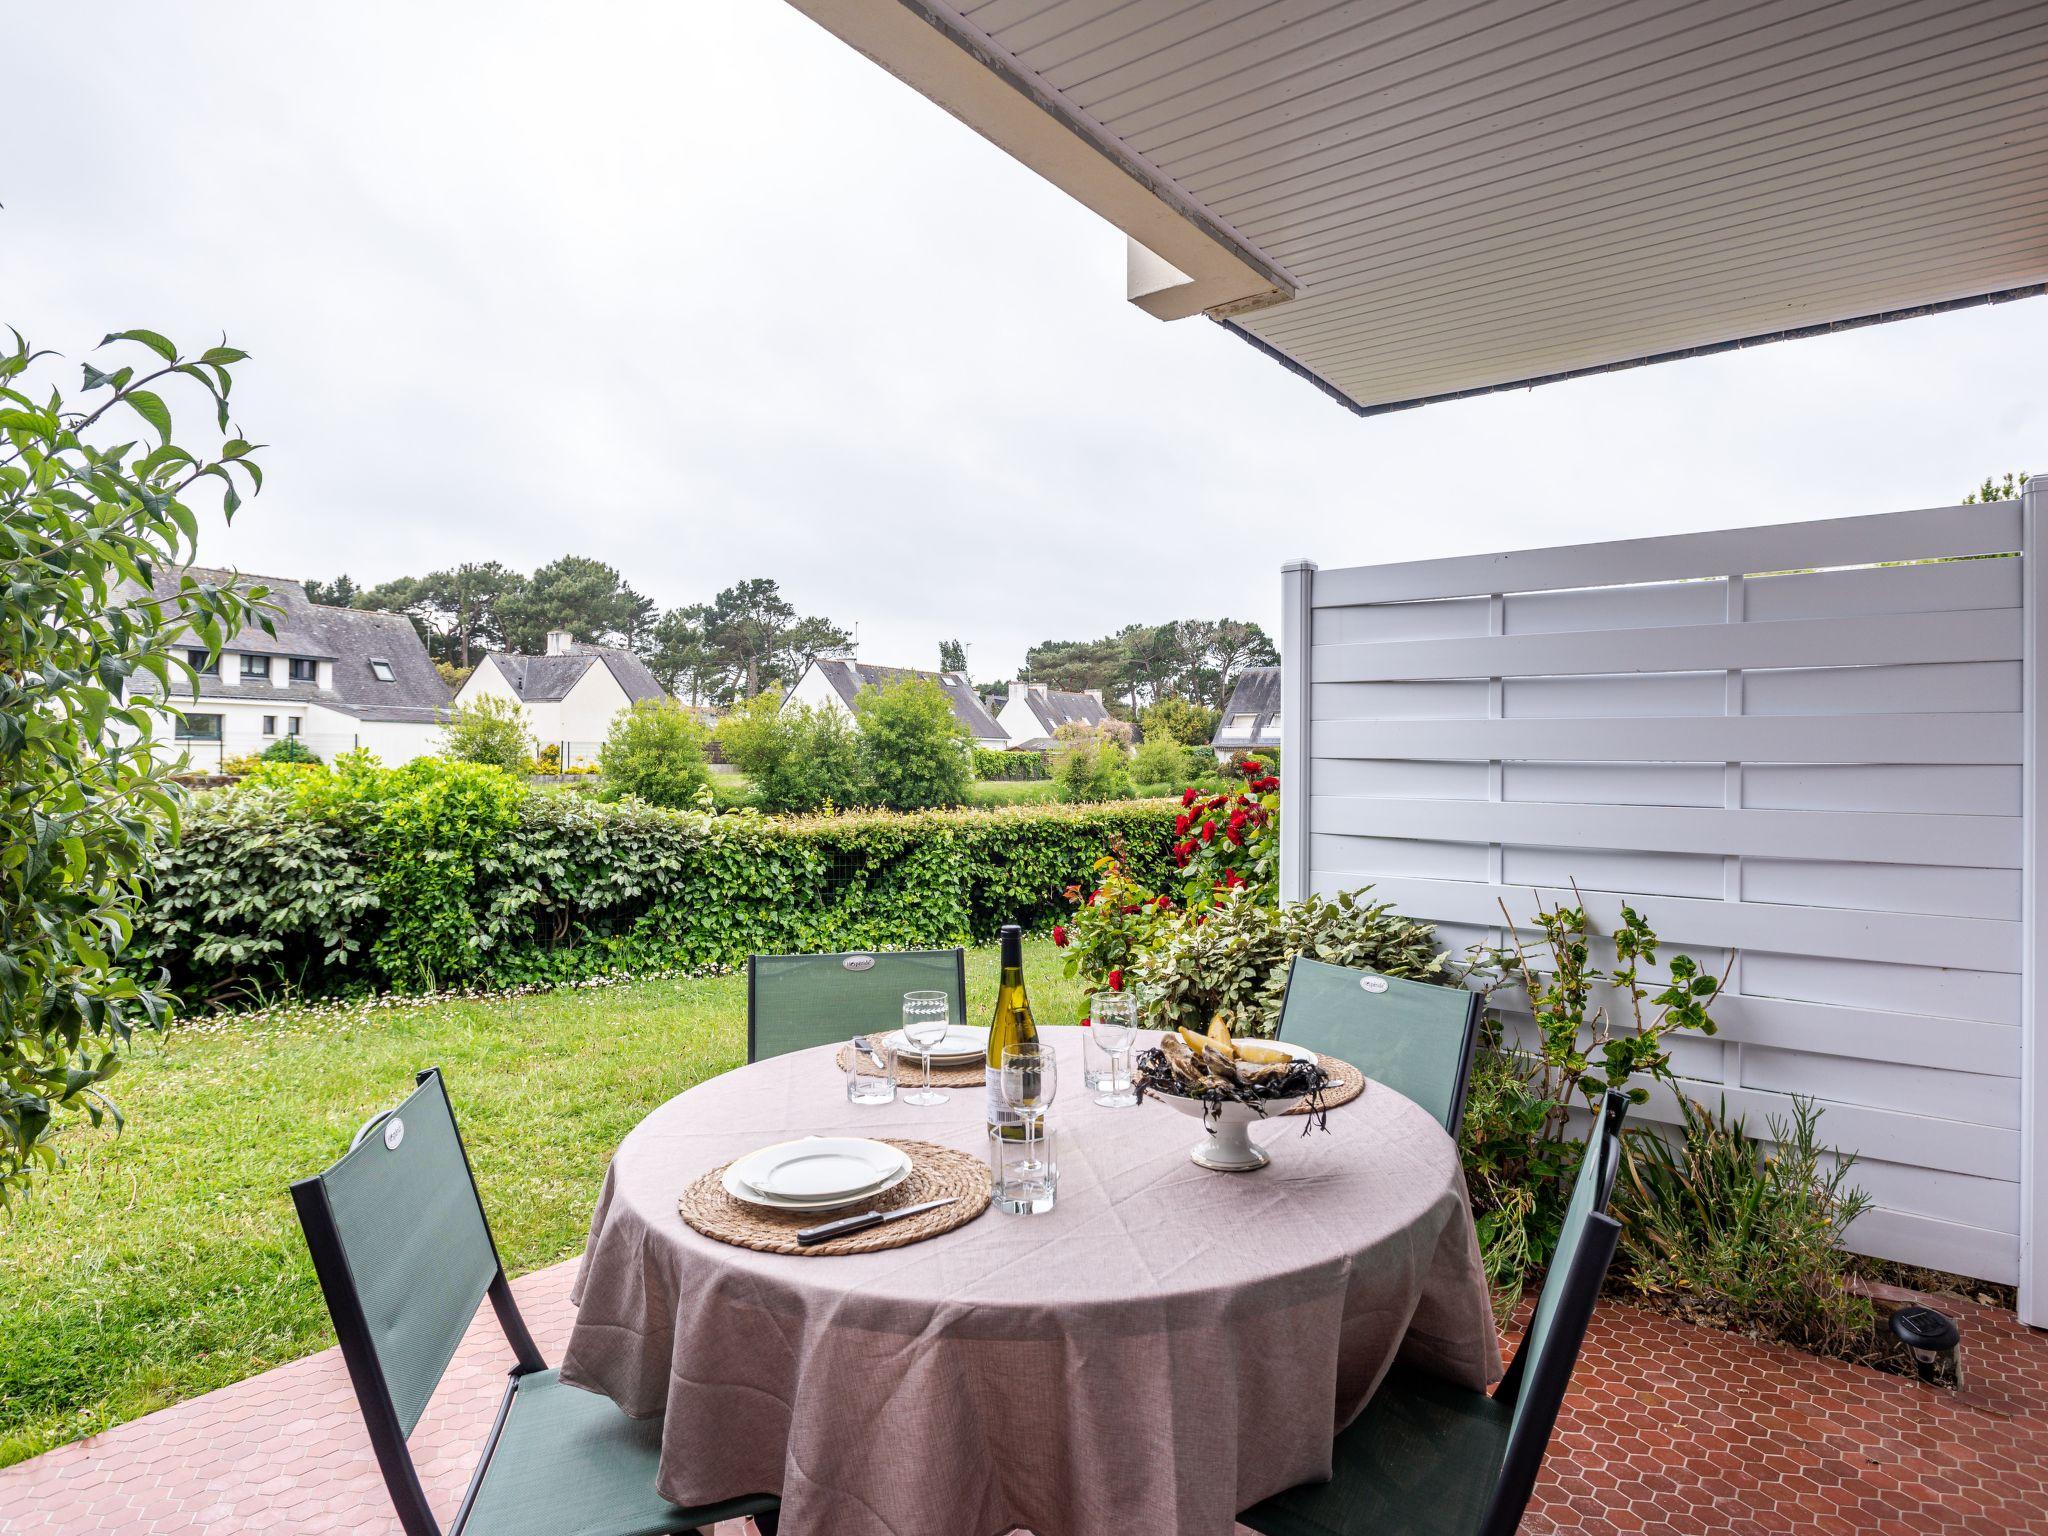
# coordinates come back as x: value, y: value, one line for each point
x: 1414, y: 201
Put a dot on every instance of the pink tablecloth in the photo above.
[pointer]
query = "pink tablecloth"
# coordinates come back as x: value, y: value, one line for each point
x: 1167, y: 1347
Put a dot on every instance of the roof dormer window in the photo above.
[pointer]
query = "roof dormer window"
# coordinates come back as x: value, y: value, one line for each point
x: 255, y: 668
x: 380, y: 669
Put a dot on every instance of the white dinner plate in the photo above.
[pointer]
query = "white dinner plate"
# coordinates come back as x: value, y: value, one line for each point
x: 742, y: 1191
x: 821, y: 1168
x: 963, y: 1042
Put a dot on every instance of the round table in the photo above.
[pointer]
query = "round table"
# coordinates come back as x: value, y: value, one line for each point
x: 1166, y: 1347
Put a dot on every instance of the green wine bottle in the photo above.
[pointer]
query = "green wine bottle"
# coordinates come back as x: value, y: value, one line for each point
x: 1012, y: 1025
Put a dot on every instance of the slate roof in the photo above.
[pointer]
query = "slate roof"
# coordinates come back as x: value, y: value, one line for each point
x: 849, y: 677
x: 544, y: 679
x: 350, y: 638
x: 1257, y: 692
x: 1053, y: 709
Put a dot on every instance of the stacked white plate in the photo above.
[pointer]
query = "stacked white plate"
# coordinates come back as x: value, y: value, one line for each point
x: 963, y: 1043
x: 818, y: 1173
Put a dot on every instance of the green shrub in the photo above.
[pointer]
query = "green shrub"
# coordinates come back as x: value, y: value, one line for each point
x: 1180, y: 720
x: 800, y: 757
x: 655, y: 752
x: 366, y: 878
x: 491, y: 730
x: 1005, y: 766
x: 1093, y: 763
x: 1230, y: 840
x: 1162, y: 760
x: 913, y: 749
x: 289, y: 749
x: 1733, y: 1232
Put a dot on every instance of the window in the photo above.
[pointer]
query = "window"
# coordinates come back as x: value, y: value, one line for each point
x: 380, y: 669
x: 255, y: 667
x: 203, y: 664
x: 291, y: 725
x: 1243, y: 722
x: 270, y: 725
x: 305, y: 669
x: 198, y: 728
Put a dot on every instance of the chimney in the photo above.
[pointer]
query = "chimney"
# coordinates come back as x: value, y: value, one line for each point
x: 1095, y: 694
x: 560, y: 641
x: 1037, y: 688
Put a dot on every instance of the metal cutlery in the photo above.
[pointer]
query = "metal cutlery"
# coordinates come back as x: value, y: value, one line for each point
x: 847, y: 1225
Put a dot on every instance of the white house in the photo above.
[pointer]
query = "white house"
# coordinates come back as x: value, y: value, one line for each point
x: 571, y: 694
x: 335, y: 678
x: 1252, y: 717
x: 1032, y: 716
x: 833, y: 685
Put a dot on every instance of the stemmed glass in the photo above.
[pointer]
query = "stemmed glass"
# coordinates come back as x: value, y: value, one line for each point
x: 1030, y: 1079
x: 926, y: 1016
x: 1114, y: 1018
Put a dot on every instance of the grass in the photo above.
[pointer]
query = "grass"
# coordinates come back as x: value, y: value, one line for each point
x: 166, y: 1261
x: 1012, y: 792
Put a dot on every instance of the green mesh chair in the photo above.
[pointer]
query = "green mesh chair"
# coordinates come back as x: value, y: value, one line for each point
x: 404, y: 1255
x: 1416, y: 1038
x: 797, y: 1001
x: 1427, y: 1458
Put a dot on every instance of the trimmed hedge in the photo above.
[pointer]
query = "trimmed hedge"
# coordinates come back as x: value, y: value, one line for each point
x: 419, y: 881
x: 1010, y: 767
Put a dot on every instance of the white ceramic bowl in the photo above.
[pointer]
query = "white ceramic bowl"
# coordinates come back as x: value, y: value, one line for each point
x: 1228, y: 1147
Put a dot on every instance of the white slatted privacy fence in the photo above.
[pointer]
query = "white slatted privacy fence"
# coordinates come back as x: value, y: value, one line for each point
x: 1813, y: 749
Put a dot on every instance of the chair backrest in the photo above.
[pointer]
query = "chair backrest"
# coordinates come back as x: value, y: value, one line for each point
x: 404, y: 1257
x: 1416, y: 1038
x: 797, y: 1001
x: 1542, y: 1367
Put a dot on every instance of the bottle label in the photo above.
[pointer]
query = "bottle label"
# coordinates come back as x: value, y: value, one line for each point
x: 1001, y: 1117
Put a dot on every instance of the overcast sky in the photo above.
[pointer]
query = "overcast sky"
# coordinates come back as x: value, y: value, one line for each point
x: 697, y: 290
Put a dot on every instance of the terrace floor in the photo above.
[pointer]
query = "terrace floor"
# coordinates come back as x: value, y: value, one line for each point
x: 1670, y: 1429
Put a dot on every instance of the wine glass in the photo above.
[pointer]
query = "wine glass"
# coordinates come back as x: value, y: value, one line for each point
x: 926, y: 1016
x: 1031, y: 1077
x: 1114, y: 1018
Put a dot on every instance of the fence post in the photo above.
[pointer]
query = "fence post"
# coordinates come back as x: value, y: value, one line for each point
x: 1297, y: 607
x: 2033, y: 1288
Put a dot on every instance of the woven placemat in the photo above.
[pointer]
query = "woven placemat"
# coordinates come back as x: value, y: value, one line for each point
x: 936, y: 1172
x: 910, y: 1071
x: 1347, y: 1083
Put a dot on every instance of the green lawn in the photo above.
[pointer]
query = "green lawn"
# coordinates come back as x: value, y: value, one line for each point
x: 1012, y: 792
x: 167, y: 1261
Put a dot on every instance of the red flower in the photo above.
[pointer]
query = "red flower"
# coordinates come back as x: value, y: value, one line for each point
x: 1208, y: 831
x: 1266, y: 785
x: 1181, y: 823
x: 1235, y: 834
x: 1232, y: 879
x: 1181, y: 851
x: 1130, y: 908
x: 1190, y: 796
x: 1116, y: 979
x: 1251, y: 767
x: 1059, y: 934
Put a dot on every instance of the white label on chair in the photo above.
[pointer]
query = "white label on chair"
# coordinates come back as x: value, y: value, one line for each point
x: 859, y: 962
x: 394, y: 1133
x: 1373, y: 983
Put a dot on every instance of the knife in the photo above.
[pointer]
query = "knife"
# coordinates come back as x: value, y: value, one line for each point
x: 850, y: 1224
x: 866, y: 1047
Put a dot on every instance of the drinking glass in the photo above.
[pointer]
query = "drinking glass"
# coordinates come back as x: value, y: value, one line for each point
x: 870, y: 1072
x: 925, y: 1017
x: 1025, y: 1179
x: 1031, y: 1077
x: 1113, y: 1021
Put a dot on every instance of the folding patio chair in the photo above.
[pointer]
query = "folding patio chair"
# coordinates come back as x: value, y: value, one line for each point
x: 1416, y: 1038
x: 404, y: 1255
x: 795, y: 1001
x: 1427, y: 1458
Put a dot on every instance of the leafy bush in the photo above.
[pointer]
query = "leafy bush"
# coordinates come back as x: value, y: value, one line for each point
x: 289, y: 749
x: 88, y: 516
x: 913, y: 749
x: 1004, y: 766
x: 655, y: 752
x: 1180, y: 720
x: 491, y: 730
x: 1162, y: 760
x: 1093, y: 763
x: 1748, y: 1237
x: 1233, y: 956
x: 364, y: 878
x: 1230, y: 840
x: 547, y: 760
x: 800, y: 757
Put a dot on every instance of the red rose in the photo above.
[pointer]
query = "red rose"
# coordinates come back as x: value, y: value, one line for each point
x: 1266, y: 785
x: 1059, y: 934
x: 1251, y: 767
x: 1232, y: 879
x: 1208, y: 831
x: 1180, y: 824
x: 1130, y: 908
x: 1190, y: 796
x: 1116, y: 979
x: 1235, y: 834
